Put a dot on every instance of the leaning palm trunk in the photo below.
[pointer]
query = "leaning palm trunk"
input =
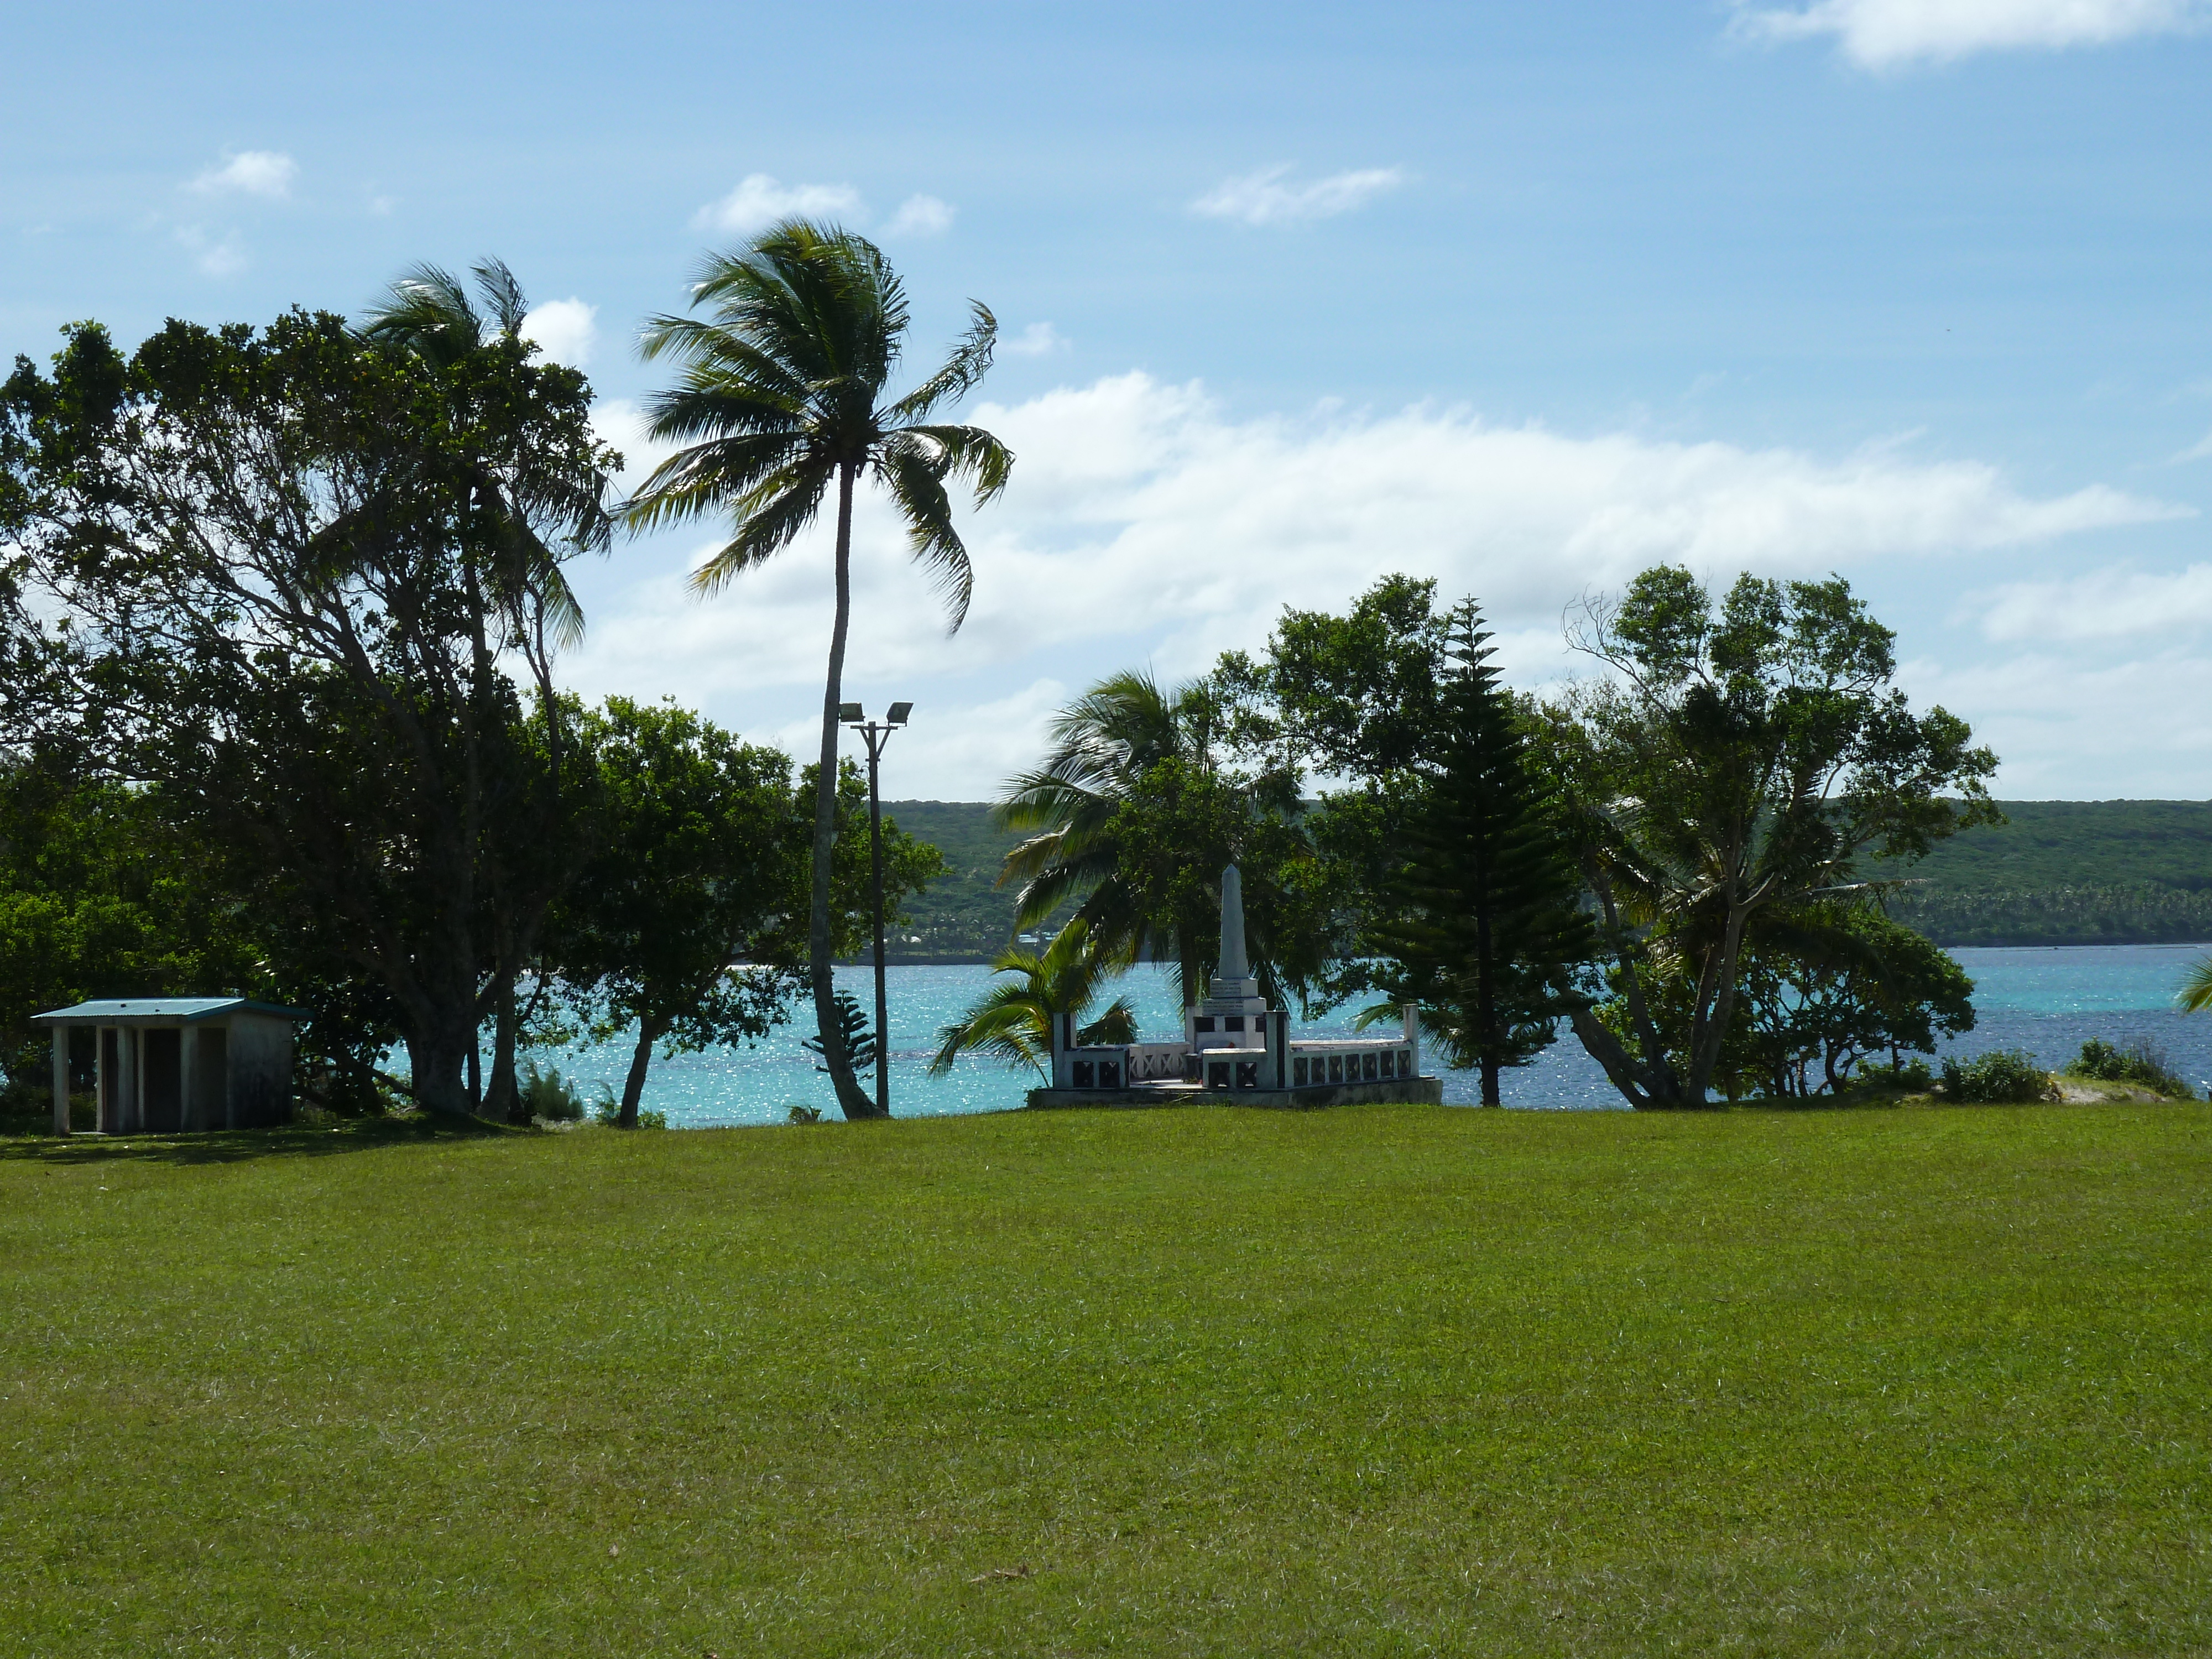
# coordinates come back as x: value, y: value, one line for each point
x: 778, y: 395
x: 852, y: 1099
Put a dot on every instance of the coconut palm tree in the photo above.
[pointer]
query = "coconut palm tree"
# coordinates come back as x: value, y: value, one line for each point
x: 1102, y: 744
x: 427, y: 314
x: 779, y: 398
x: 1014, y: 1020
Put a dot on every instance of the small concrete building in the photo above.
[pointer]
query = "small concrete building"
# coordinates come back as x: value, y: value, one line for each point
x: 165, y: 1063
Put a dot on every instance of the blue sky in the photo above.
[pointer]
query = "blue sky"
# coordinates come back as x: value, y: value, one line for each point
x: 1522, y: 298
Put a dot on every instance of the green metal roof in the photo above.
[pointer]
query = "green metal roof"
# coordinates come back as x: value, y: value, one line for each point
x: 130, y: 1011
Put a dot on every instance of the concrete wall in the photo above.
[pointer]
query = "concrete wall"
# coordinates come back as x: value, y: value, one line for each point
x: 260, y: 1071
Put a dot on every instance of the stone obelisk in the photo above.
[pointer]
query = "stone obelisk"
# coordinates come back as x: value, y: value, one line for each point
x: 1234, y: 989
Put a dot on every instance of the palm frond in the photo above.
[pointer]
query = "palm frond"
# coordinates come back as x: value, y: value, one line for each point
x: 2196, y: 996
x: 503, y: 293
x: 970, y: 362
x: 426, y: 312
x: 770, y: 519
x: 916, y: 478
x: 724, y: 359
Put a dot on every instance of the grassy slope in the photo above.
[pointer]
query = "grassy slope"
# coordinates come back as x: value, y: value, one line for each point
x: 1383, y: 1381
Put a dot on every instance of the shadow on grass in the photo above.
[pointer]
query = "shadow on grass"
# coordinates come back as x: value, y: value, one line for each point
x: 240, y: 1145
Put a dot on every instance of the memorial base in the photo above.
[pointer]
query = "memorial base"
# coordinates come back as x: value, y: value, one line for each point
x: 1397, y: 1091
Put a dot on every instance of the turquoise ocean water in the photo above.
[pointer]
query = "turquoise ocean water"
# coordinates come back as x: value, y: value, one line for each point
x: 2047, y: 1001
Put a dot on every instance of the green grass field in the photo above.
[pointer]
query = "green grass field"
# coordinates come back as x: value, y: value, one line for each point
x: 1378, y: 1381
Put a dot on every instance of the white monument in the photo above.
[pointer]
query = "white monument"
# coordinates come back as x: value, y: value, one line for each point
x: 1232, y: 1041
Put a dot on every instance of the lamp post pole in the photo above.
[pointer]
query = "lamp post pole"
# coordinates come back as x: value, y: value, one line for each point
x: 876, y: 736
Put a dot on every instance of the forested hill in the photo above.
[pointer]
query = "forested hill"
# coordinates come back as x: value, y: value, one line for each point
x: 964, y: 917
x: 2056, y: 872
x: 2070, y: 873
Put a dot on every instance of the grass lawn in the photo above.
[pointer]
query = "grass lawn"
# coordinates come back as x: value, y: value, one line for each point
x: 1372, y: 1381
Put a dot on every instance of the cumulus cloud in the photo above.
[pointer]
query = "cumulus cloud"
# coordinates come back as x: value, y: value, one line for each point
x: 1144, y: 523
x: 1892, y: 33
x: 2076, y: 724
x: 620, y: 423
x: 2199, y: 451
x: 264, y: 173
x: 1264, y: 198
x: 564, y: 330
x: 920, y: 216
x: 2112, y: 605
x: 759, y: 201
x: 1037, y: 340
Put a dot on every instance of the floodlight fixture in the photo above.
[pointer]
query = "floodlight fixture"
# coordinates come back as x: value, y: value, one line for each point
x: 899, y: 711
x: 850, y: 711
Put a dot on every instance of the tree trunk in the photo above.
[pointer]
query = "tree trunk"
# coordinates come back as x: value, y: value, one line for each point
x: 436, y: 1059
x: 1485, y: 986
x: 648, y: 1033
x: 503, y: 1102
x: 852, y: 1099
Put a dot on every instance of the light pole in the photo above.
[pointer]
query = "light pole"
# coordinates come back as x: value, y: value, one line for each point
x: 876, y: 736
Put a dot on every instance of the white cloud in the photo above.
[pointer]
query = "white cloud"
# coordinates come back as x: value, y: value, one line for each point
x: 620, y: 423
x: 1889, y: 33
x: 2083, y: 725
x: 2199, y: 451
x: 223, y: 257
x: 265, y: 172
x: 2109, y: 605
x: 759, y: 201
x: 1144, y: 524
x: 1263, y: 198
x: 564, y: 330
x: 920, y: 216
x: 1037, y: 340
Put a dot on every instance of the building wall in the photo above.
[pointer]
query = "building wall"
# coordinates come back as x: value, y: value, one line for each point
x: 260, y: 1071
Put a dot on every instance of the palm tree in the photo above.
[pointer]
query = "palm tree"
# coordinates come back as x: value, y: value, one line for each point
x: 427, y: 314
x: 1014, y: 1020
x: 2196, y: 996
x: 1103, y: 742
x: 778, y: 397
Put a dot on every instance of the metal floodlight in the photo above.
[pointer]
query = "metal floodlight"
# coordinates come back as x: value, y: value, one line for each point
x: 850, y: 711
x: 899, y: 711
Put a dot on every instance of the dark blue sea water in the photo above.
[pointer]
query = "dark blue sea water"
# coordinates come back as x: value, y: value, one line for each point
x: 2046, y: 1001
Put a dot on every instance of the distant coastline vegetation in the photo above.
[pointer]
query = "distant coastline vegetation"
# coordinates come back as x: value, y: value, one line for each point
x: 2054, y: 873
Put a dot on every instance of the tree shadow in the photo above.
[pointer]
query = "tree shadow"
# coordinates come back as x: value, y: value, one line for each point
x: 245, y: 1145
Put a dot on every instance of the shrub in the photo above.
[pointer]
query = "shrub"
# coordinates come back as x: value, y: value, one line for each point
x: 803, y: 1113
x: 2001, y: 1077
x: 1913, y: 1077
x: 2141, y: 1062
x: 549, y: 1095
x: 608, y: 1110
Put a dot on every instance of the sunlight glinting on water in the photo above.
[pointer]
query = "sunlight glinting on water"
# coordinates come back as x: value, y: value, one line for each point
x: 2047, y: 1001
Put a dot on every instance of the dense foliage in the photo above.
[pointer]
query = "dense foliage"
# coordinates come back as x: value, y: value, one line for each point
x: 1736, y: 761
x: 279, y: 611
x: 2003, y: 1076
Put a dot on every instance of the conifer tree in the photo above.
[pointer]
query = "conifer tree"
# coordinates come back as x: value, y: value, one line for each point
x: 1483, y: 930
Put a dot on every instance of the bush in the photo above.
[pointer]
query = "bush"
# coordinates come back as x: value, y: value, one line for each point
x: 549, y: 1095
x: 608, y: 1110
x: 1912, y: 1077
x: 2141, y: 1062
x: 2001, y: 1077
x: 801, y: 1113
